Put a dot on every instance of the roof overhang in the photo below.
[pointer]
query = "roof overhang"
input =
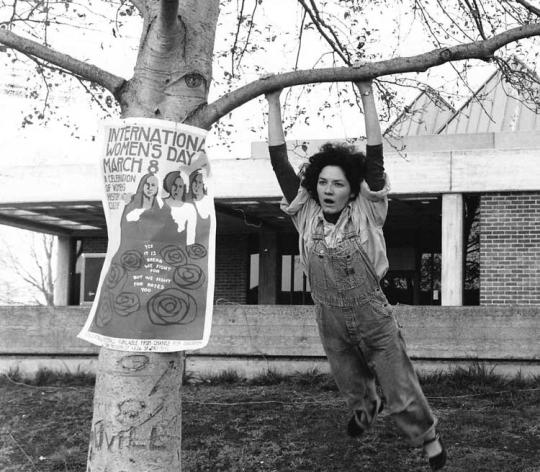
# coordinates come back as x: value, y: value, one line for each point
x: 65, y: 199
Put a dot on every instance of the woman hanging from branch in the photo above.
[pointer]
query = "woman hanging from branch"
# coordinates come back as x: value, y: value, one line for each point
x: 339, y: 206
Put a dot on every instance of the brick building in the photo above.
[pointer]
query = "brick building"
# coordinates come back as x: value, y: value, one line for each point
x: 463, y: 224
x: 510, y: 248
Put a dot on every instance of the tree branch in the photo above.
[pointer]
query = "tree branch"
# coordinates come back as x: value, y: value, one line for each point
x: 475, y: 13
x: 484, y: 50
x: 140, y: 6
x: 318, y: 24
x: 168, y: 13
x: 246, y: 42
x: 300, y: 35
x: 78, y: 68
x: 528, y: 6
x: 237, y: 35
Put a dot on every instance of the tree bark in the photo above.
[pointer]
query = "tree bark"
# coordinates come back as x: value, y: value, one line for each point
x: 137, y: 418
x: 137, y: 422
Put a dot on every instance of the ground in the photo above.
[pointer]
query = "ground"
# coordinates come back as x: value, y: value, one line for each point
x: 276, y: 423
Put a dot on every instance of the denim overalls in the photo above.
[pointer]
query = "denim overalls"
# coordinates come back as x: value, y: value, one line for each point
x: 361, y: 338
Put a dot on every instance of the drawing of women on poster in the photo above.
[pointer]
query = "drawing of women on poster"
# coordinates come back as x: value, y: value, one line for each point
x: 156, y: 287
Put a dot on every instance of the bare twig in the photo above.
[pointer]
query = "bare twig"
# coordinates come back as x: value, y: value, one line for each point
x: 444, y: 10
x: 329, y: 40
x: 236, y: 36
x: 14, y: 10
x: 246, y: 42
x: 118, y: 13
x: 300, y: 35
x: 427, y: 22
x: 42, y: 282
x: 484, y: 50
x: 93, y: 97
x: 45, y: 81
x: 528, y: 6
x: 430, y: 20
x: 320, y: 20
x: 140, y: 5
x: 524, y: 81
x: 473, y: 8
x: 46, y: 24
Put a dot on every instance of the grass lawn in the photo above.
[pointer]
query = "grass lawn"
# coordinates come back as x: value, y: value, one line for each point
x: 276, y: 423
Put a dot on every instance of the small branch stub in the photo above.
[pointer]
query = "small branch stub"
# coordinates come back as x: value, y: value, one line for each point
x: 446, y: 54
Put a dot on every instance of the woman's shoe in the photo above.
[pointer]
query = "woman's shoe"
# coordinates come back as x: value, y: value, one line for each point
x: 437, y: 461
x: 355, y: 428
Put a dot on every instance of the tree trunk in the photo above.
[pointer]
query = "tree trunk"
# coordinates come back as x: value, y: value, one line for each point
x: 137, y: 418
x: 137, y: 423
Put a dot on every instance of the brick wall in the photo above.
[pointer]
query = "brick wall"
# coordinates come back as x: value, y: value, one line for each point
x: 232, y: 269
x: 510, y: 248
x: 94, y: 245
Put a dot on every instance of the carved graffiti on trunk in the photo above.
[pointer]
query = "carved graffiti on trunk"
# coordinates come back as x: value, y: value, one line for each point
x: 152, y: 439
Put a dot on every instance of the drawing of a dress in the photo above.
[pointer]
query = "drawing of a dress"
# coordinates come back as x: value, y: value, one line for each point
x: 199, y: 195
x: 182, y: 212
x: 156, y: 277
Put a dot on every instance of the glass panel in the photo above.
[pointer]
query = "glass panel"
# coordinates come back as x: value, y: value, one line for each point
x: 254, y: 271
x: 298, y: 275
x: 285, y: 273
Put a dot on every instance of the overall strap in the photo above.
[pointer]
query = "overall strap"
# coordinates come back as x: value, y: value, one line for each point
x: 349, y: 230
x: 354, y: 236
x: 369, y: 264
x: 318, y: 233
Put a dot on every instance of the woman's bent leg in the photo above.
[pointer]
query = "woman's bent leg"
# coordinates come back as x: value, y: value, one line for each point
x: 387, y: 356
x: 353, y: 377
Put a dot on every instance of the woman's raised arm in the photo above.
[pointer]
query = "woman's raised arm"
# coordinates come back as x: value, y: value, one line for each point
x: 375, y: 177
x: 287, y: 178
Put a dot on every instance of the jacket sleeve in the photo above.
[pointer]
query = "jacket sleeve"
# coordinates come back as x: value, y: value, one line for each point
x: 286, y: 176
x: 375, y: 177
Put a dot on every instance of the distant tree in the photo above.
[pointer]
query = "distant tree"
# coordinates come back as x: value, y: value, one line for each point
x: 31, y: 267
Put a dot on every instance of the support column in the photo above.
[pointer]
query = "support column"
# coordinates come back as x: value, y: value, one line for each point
x: 452, y: 250
x: 63, y: 282
x: 268, y: 268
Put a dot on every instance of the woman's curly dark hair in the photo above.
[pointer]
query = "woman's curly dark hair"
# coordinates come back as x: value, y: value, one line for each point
x: 346, y: 157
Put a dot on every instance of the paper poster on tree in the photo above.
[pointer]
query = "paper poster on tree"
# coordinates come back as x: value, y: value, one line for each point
x: 156, y: 288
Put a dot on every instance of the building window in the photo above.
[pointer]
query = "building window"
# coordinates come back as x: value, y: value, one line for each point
x: 294, y: 285
x: 253, y: 289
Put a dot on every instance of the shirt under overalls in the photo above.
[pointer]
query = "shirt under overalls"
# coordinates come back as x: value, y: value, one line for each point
x: 346, y: 260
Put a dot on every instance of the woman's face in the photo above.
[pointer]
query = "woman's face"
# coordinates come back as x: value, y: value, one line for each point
x: 150, y: 187
x: 177, y: 189
x: 197, y: 187
x: 333, y: 189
